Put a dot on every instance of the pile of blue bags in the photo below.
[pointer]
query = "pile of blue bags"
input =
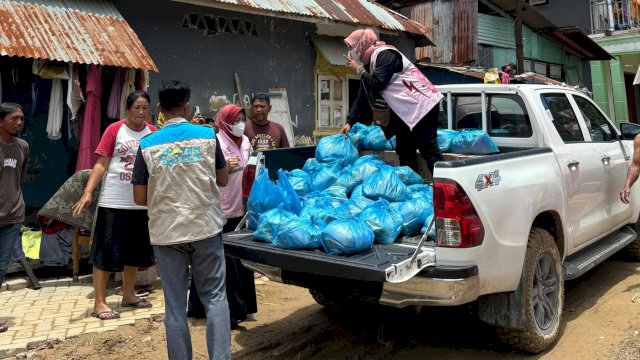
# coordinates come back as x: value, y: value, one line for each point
x: 340, y: 202
x: 466, y: 141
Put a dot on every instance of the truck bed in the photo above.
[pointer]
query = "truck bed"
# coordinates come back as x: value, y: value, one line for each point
x: 372, y: 265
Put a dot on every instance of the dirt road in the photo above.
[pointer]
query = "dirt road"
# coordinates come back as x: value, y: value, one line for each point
x: 602, y: 321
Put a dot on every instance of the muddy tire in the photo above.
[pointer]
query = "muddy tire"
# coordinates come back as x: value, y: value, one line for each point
x: 543, y: 296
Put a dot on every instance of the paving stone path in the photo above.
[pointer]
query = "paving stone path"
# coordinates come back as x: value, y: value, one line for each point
x: 60, y: 309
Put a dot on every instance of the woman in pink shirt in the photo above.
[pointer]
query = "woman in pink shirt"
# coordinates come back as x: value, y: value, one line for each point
x: 236, y: 148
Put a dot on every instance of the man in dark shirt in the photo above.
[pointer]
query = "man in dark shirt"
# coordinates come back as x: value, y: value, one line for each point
x: 263, y: 133
x: 14, y: 155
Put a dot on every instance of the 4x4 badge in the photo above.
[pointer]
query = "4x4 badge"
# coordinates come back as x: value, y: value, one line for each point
x: 484, y: 181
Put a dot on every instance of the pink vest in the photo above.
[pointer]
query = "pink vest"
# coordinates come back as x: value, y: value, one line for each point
x: 409, y: 93
x: 231, y: 195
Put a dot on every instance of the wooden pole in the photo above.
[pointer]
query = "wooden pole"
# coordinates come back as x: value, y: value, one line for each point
x: 519, y: 47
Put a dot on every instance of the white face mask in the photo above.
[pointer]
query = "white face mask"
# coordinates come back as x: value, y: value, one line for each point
x: 238, y: 129
x: 353, y: 55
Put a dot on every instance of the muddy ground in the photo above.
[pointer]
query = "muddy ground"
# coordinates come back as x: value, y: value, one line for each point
x: 601, y: 321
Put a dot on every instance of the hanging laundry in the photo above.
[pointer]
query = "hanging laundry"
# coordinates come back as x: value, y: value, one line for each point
x: 54, y: 120
x: 127, y: 88
x: 75, y: 98
x: 113, y: 109
x: 91, y: 126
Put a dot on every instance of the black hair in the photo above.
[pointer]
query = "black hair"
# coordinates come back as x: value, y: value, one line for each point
x: 262, y: 97
x: 209, y: 120
x: 9, y: 107
x: 173, y: 94
x: 135, y: 95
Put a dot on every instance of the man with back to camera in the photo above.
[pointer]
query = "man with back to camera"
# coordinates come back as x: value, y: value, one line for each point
x: 14, y: 155
x: 263, y: 133
x: 177, y: 173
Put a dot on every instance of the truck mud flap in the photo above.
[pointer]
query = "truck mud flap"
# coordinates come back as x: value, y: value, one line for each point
x: 383, y: 263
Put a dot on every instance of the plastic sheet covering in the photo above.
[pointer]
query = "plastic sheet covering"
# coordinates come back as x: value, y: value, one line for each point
x: 264, y: 196
x: 336, y: 148
x: 385, y: 184
x: 346, y: 237
x: 385, y: 221
x: 269, y: 223
x: 299, y: 233
x: 473, y: 142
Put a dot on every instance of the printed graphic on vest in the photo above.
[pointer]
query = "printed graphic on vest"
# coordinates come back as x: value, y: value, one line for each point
x: 184, y: 155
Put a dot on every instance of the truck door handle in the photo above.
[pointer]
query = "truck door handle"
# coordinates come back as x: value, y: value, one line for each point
x: 573, y: 164
x: 605, y: 159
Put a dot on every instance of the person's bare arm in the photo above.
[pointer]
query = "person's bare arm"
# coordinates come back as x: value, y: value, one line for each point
x: 140, y: 195
x: 94, y: 180
x: 633, y: 172
x: 222, y: 176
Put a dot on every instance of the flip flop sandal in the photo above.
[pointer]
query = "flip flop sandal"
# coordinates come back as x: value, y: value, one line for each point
x: 142, y: 304
x: 114, y: 315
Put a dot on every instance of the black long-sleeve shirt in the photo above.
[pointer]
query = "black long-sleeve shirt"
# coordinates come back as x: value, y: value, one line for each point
x: 388, y: 63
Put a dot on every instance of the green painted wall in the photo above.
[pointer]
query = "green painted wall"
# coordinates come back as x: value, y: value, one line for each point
x: 496, y: 31
x: 600, y: 87
x: 540, y: 48
x: 503, y: 56
x: 619, y: 92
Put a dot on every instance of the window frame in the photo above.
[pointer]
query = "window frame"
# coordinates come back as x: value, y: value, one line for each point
x: 612, y: 128
x: 573, y: 107
x: 332, y: 104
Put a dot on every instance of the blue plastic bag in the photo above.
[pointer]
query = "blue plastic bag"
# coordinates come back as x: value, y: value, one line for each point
x: 385, y: 221
x: 356, y: 135
x: 264, y: 196
x: 323, y: 209
x: 369, y: 159
x: 357, y: 192
x: 473, y: 142
x: 414, y: 214
x: 299, y: 233
x: 392, y: 142
x: 422, y: 190
x: 355, y: 175
x: 373, y: 138
x: 385, y: 184
x: 311, y: 166
x: 299, y: 179
x: 336, y: 191
x: 291, y: 200
x: 313, y: 197
x: 432, y: 231
x: 324, y: 176
x: 347, y: 236
x: 269, y: 223
x: 336, y: 148
x: 356, y: 205
x: 445, y: 136
x: 408, y: 176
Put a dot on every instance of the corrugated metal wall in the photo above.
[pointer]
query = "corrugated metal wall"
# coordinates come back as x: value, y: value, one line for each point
x: 496, y: 31
x: 454, y: 30
x: 465, y: 31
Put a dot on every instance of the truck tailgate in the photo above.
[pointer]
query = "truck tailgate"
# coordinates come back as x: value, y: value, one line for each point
x: 383, y: 263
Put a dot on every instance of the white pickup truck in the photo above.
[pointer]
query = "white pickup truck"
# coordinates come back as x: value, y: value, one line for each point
x: 511, y: 227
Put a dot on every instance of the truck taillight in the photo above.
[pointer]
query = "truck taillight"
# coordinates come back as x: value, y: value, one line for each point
x: 457, y: 222
x: 248, y: 175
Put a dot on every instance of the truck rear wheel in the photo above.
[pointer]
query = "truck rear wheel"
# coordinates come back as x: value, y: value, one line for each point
x: 543, y: 296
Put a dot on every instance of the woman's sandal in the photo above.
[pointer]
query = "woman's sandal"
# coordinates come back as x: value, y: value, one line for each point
x: 140, y: 304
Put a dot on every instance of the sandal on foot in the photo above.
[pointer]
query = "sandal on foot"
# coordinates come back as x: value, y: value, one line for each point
x: 140, y: 304
x: 106, y: 315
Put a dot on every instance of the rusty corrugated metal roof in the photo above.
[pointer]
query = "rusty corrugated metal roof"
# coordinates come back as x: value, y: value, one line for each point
x: 360, y: 12
x: 80, y: 31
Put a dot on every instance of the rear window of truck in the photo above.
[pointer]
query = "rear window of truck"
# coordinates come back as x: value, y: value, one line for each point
x: 506, y: 114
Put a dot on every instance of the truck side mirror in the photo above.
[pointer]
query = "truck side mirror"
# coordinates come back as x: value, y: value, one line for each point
x: 629, y: 130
